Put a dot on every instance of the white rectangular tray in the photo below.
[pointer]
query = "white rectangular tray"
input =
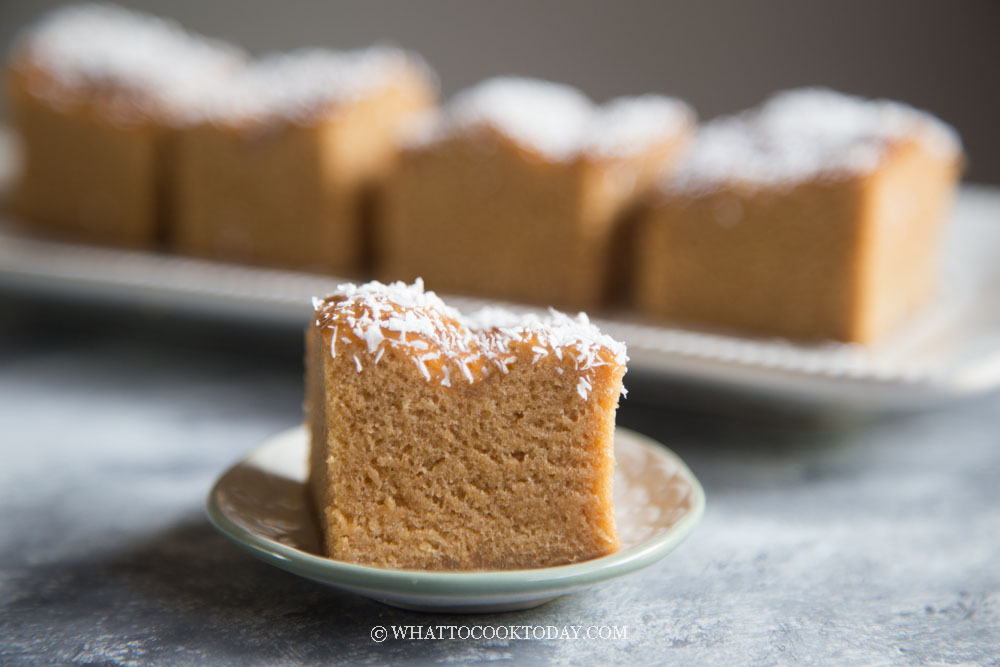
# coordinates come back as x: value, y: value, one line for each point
x: 951, y: 350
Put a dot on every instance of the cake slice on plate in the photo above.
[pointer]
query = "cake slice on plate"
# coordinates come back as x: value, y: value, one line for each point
x: 278, y: 165
x: 519, y: 190
x: 815, y: 216
x: 446, y: 442
x: 96, y: 93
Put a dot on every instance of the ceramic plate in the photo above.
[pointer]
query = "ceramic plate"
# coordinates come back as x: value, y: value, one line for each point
x: 260, y: 504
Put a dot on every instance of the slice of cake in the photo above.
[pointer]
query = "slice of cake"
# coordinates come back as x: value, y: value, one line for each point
x: 447, y: 442
x: 277, y: 168
x: 94, y: 91
x: 815, y: 216
x: 517, y: 190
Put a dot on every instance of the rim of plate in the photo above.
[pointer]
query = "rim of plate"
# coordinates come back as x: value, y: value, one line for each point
x: 446, y: 583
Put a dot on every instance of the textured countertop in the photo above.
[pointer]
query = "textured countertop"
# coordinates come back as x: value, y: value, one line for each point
x: 864, y: 542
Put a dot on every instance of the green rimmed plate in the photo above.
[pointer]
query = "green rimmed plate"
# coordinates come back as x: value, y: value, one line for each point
x: 260, y: 504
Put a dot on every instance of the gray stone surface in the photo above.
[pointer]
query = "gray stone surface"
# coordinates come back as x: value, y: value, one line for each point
x: 873, y: 542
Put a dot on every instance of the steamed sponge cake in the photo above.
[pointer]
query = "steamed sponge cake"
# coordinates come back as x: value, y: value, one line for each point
x: 278, y: 167
x: 815, y: 216
x: 96, y: 94
x: 518, y: 190
x: 447, y: 442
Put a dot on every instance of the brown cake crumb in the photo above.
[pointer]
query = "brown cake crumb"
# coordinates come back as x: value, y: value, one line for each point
x: 520, y: 189
x: 278, y: 165
x: 96, y: 93
x: 815, y: 216
x: 447, y: 442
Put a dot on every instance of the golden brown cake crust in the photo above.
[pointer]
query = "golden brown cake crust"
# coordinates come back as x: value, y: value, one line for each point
x: 442, y: 443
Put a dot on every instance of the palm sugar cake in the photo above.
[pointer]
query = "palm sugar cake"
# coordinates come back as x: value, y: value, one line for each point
x: 276, y: 168
x: 446, y: 442
x: 815, y: 216
x: 95, y: 91
x: 518, y: 188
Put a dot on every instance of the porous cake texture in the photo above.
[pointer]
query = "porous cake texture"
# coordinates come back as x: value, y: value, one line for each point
x: 449, y: 442
x: 815, y: 216
x: 518, y: 189
x: 277, y: 166
x: 95, y: 92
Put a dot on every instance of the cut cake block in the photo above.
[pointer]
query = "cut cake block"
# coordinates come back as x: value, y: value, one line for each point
x: 816, y: 216
x: 277, y: 169
x: 94, y: 93
x: 517, y: 190
x: 446, y: 442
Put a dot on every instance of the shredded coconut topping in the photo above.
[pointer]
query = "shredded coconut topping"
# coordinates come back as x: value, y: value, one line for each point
x: 556, y: 120
x: 153, y: 63
x: 804, y: 134
x: 299, y: 85
x: 445, y: 345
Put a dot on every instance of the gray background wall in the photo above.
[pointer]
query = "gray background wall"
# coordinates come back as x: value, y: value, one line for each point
x: 720, y: 55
